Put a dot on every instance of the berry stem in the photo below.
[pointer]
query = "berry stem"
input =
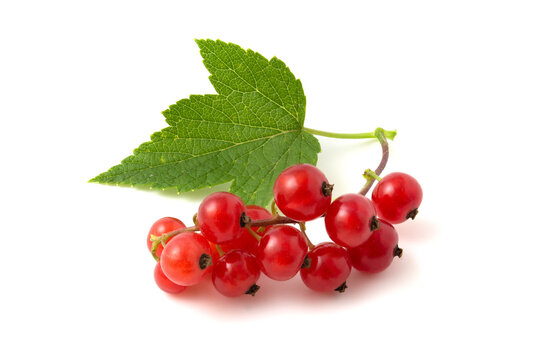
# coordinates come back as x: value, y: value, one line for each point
x: 155, y: 245
x: 389, y: 134
x: 274, y: 208
x: 370, y: 174
x: 220, y: 250
x: 156, y: 240
x: 303, y: 229
x: 273, y: 221
x: 381, y: 136
x: 252, y: 232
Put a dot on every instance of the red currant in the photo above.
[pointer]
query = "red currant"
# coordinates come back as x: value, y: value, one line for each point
x: 302, y: 192
x: 160, y: 227
x: 326, y: 268
x: 350, y: 219
x: 377, y: 252
x: 164, y: 283
x: 220, y: 217
x: 236, y: 273
x: 247, y: 241
x: 397, y: 197
x: 281, y: 252
x: 186, y: 258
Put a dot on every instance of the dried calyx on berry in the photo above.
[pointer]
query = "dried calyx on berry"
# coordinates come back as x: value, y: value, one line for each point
x: 244, y: 220
x: 205, y: 261
x: 307, y: 263
x: 253, y: 289
x: 327, y: 188
x: 412, y: 214
x: 341, y: 288
x: 374, y: 223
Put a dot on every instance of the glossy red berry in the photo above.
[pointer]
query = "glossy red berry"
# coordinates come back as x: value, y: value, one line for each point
x: 236, y: 273
x: 281, y: 252
x: 164, y: 283
x: 350, y: 219
x: 247, y: 241
x: 186, y: 258
x: 160, y: 227
x: 220, y: 217
x: 377, y: 253
x: 302, y: 192
x: 326, y: 268
x: 397, y: 197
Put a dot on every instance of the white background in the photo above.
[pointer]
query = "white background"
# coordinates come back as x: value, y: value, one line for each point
x: 83, y: 83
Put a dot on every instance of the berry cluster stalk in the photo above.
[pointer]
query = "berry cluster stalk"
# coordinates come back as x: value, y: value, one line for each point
x: 379, y: 133
x: 248, y: 223
x: 371, y: 176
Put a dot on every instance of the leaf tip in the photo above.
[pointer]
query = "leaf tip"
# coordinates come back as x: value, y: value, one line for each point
x: 95, y: 179
x: 202, y: 42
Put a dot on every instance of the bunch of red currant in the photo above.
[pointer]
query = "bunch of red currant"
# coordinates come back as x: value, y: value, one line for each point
x: 234, y: 242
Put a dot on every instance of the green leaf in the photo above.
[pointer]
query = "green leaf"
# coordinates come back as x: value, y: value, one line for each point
x: 248, y: 133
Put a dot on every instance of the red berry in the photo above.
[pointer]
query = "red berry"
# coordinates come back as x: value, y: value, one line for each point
x: 164, y: 283
x: 186, y: 258
x: 219, y: 217
x: 326, y: 268
x: 236, y: 273
x: 281, y: 252
x: 247, y: 241
x: 160, y: 227
x: 397, y: 197
x: 377, y: 252
x: 302, y: 192
x: 350, y: 220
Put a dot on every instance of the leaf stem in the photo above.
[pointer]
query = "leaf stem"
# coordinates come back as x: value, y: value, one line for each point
x: 389, y: 134
x: 380, y: 134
